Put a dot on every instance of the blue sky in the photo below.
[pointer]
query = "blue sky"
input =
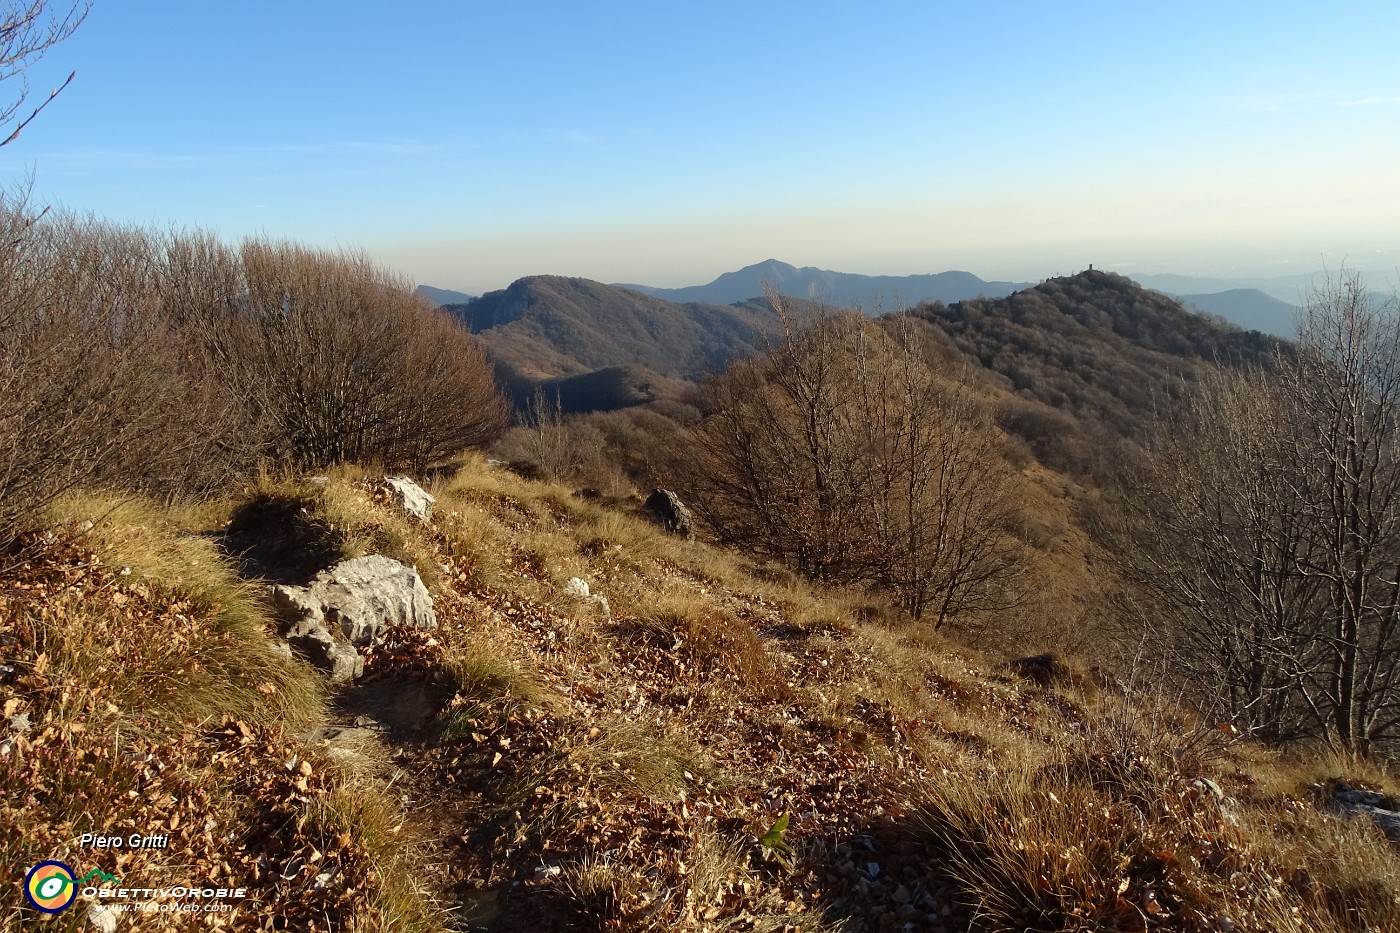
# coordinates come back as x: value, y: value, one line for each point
x: 467, y: 144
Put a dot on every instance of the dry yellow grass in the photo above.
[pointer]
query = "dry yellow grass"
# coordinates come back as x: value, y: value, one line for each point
x: 147, y: 698
x: 159, y: 622
x: 617, y: 769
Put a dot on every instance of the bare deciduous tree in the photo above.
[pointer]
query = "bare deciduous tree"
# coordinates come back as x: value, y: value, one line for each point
x: 337, y: 360
x: 1211, y: 537
x: 1348, y: 379
x: 779, y: 471
x: 1264, y: 532
x: 27, y: 30
x: 841, y: 453
x: 938, y: 493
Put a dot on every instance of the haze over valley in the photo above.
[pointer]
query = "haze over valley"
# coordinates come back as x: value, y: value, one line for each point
x: 1268, y: 305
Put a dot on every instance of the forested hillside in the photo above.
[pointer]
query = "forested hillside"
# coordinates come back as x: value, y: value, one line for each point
x: 1089, y: 359
x: 1095, y: 344
x: 546, y: 326
x: 1077, y: 364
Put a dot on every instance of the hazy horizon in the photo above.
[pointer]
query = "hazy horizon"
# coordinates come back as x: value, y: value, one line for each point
x: 1286, y: 284
x: 468, y: 146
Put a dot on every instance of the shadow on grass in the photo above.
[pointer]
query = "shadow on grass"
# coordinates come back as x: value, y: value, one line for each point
x: 280, y: 539
x: 890, y: 875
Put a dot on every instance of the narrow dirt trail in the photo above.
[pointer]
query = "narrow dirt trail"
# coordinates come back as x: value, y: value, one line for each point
x: 380, y: 732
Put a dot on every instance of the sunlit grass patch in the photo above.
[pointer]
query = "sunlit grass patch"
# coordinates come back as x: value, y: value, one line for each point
x: 159, y: 623
x: 487, y: 688
x: 359, y: 818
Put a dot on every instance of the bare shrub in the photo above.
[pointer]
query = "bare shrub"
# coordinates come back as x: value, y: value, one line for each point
x: 338, y: 361
x: 172, y: 364
x: 550, y: 446
x: 92, y: 370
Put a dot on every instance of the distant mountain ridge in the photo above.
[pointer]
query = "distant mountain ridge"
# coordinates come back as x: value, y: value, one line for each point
x: 870, y: 293
x: 1267, y: 305
x: 546, y: 329
x: 1286, y: 288
x: 1094, y: 345
x: 443, y: 296
x: 1249, y: 308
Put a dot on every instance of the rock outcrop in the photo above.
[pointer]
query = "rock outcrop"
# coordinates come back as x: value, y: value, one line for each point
x: 1353, y: 801
x: 667, y: 510
x: 348, y: 606
x: 578, y: 587
x: 411, y: 497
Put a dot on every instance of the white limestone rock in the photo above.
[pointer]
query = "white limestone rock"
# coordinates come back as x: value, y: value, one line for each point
x: 411, y: 497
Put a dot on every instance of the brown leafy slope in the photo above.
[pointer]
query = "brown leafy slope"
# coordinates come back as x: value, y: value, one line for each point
x: 711, y: 751
x: 141, y: 695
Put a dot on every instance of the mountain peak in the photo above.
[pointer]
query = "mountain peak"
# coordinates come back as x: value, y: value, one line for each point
x: 769, y: 265
x: 841, y: 289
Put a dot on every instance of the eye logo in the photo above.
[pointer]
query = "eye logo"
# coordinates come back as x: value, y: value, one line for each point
x: 50, y: 887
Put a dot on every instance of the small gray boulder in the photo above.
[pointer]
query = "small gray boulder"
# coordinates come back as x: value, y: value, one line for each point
x: 667, y: 510
x: 578, y: 587
x: 411, y: 497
